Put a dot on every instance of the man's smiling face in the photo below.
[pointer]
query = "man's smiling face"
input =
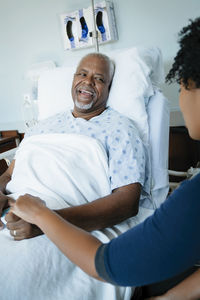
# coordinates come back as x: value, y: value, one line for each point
x: 90, y: 87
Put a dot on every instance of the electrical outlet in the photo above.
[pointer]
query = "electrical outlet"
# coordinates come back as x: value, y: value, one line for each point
x: 27, y: 98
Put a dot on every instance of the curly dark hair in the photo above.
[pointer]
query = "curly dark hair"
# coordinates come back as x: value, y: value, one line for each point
x: 187, y: 61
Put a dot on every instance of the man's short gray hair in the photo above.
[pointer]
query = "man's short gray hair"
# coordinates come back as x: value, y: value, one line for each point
x: 105, y: 58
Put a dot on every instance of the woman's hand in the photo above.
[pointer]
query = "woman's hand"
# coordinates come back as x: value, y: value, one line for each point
x: 27, y: 207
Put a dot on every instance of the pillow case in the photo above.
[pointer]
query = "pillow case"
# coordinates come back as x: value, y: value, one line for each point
x: 138, y: 70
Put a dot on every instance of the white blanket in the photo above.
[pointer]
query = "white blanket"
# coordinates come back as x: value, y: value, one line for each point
x: 64, y: 170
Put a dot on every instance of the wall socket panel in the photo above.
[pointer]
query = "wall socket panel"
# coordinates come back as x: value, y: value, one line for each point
x: 27, y: 98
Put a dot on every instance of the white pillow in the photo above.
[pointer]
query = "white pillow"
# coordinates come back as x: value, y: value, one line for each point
x: 138, y: 69
x: 54, y: 91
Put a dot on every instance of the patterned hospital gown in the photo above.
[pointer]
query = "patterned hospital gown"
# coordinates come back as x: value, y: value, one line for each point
x: 117, y: 133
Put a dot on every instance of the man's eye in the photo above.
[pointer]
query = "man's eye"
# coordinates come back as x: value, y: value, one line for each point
x: 80, y: 74
x: 99, y: 79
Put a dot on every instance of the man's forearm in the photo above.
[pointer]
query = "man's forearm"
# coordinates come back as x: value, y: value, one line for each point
x: 99, y: 214
x: 106, y: 211
x: 6, y: 177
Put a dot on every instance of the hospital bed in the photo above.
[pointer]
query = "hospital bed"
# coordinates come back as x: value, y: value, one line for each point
x: 134, y: 93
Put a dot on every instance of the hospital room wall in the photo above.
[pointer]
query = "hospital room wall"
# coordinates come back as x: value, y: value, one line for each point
x: 30, y: 33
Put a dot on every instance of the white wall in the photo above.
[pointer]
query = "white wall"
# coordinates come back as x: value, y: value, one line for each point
x: 30, y: 33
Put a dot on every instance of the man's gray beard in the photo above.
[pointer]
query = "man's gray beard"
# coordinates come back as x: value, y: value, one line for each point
x: 83, y: 106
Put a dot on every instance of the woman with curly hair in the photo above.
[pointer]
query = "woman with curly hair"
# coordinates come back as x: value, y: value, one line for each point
x: 165, y: 244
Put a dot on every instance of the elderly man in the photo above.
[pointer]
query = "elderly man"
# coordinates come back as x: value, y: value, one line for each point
x: 126, y: 155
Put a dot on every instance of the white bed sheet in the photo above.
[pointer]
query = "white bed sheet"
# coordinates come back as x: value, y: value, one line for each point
x: 63, y: 176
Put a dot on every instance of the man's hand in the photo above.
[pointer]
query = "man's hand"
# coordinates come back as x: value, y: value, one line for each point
x: 3, y: 204
x: 21, y: 229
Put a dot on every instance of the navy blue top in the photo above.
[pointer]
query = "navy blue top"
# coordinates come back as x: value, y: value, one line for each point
x: 164, y: 245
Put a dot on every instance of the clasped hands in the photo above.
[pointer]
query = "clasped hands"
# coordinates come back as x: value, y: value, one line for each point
x: 18, y: 227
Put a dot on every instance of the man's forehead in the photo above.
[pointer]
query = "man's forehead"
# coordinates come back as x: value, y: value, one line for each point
x: 91, y: 61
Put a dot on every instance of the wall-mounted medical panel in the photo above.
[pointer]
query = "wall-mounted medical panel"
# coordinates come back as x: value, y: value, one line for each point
x: 77, y: 26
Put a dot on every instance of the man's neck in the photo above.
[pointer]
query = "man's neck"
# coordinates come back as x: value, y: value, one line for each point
x: 87, y: 115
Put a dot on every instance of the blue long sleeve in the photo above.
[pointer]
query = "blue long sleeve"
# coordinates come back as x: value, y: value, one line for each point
x: 163, y: 246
